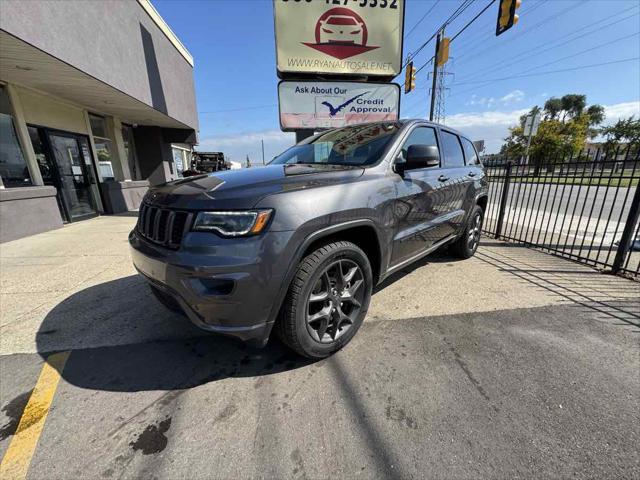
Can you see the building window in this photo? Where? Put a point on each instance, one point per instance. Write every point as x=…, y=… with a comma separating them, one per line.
x=13, y=167
x=104, y=147
x=130, y=150
x=181, y=159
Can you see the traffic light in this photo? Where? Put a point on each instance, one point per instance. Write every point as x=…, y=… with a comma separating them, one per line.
x=443, y=52
x=409, y=78
x=507, y=16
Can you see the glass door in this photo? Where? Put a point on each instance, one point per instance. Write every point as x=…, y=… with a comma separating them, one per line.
x=74, y=174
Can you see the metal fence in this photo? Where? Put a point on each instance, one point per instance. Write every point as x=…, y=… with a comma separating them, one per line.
x=584, y=207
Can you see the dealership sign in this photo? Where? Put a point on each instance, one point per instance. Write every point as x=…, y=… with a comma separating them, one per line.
x=358, y=37
x=314, y=105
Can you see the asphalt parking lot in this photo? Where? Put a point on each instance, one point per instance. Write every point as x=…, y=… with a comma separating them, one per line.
x=514, y=364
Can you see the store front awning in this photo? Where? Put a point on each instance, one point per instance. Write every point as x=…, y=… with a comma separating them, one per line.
x=24, y=64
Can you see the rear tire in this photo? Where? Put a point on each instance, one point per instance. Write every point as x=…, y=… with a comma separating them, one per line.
x=327, y=300
x=166, y=300
x=467, y=244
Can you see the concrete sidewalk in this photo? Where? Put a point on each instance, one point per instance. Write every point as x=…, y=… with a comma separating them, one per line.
x=513, y=363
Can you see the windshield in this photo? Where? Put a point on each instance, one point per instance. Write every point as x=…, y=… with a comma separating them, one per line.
x=357, y=145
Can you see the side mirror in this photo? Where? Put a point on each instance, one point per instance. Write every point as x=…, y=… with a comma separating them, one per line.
x=422, y=156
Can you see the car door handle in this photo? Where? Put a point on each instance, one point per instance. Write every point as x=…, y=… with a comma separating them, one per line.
x=443, y=178
x=472, y=174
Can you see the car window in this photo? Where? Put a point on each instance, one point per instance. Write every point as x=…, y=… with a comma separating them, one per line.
x=419, y=136
x=470, y=154
x=453, y=156
x=354, y=145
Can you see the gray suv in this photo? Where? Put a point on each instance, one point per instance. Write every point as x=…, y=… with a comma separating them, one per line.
x=299, y=244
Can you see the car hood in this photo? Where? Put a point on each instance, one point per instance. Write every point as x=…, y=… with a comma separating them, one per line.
x=234, y=189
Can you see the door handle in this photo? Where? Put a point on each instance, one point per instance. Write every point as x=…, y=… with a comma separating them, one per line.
x=443, y=178
x=472, y=174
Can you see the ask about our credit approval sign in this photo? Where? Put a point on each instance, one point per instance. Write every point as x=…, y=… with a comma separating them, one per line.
x=342, y=37
x=316, y=105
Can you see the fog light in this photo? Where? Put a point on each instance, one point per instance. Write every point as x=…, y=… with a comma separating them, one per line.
x=217, y=286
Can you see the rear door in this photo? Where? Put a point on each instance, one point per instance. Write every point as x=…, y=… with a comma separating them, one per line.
x=456, y=182
x=420, y=198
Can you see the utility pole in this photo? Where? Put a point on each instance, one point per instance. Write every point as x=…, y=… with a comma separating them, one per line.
x=435, y=77
x=262, y=142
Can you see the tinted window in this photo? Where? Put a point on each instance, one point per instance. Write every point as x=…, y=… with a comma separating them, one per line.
x=353, y=145
x=469, y=152
x=420, y=136
x=13, y=168
x=453, y=156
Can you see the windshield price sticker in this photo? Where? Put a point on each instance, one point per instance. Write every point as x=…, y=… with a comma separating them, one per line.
x=313, y=105
x=358, y=37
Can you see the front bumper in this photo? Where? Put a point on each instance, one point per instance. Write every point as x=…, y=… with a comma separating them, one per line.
x=227, y=286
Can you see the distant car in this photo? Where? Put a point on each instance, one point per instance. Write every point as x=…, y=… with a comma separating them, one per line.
x=341, y=29
x=297, y=246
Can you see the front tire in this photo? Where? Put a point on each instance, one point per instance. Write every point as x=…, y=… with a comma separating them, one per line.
x=327, y=300
x=467, y=244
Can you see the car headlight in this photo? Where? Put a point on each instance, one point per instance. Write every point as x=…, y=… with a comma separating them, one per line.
x=233, y=224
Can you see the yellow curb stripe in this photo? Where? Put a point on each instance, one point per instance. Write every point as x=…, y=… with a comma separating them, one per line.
x=17, y=458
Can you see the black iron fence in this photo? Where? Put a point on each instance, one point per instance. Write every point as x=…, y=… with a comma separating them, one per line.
x=584, y=207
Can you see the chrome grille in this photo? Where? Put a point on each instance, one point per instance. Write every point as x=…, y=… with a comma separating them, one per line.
x=162, y=225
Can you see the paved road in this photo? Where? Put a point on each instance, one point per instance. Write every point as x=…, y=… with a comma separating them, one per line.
x=529, y=370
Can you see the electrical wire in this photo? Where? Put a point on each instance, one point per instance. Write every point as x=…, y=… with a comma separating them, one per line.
x=465, y=4
x=456, y=35
x=536, y=51
x=472, y=20
x=571, y=69
x=473, y=39
x=522, y=32
x=546, y=64
x=421, y=19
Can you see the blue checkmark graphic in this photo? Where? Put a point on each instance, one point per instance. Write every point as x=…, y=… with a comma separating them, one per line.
x=334, y=110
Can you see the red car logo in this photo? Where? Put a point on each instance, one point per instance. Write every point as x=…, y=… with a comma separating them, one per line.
x=340, y=33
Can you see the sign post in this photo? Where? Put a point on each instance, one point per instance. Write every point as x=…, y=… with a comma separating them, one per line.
x=531, y=125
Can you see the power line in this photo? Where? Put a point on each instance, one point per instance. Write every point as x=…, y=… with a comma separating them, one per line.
x=560, y=59
x=534, y=52
x=472, y=20
x=580, y=67
x=482, y=32
x=421, y=19
x=462, y=30
x=465, y=4
x=521, y=33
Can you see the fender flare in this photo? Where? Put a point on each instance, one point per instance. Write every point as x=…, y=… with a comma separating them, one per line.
x=297, y=257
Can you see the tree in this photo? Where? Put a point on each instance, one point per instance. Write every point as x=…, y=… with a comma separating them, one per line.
x=552, y=108
x=563, y=132
x=623, y=131
x=596, y=115
x=572, y=105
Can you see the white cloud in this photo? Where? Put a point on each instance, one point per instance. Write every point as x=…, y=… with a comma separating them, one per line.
x=237, y=146
x=513, y=97
x=621, y=110
x=486, y=102
x=493, y=126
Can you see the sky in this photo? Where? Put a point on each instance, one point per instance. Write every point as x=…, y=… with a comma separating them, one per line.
x=559, y=46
